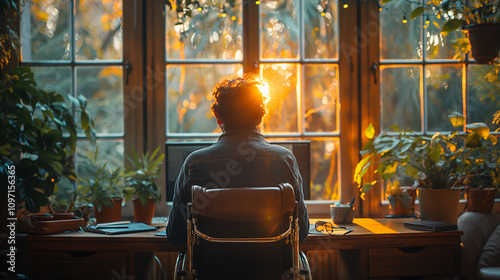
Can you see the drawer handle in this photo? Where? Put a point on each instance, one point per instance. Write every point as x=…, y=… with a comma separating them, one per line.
x=410, y=250
x=80, y=254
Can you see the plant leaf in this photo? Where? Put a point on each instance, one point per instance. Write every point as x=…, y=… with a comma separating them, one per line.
x=416, y=12
x=370, y=131
x=456, y=119
x=451, y=25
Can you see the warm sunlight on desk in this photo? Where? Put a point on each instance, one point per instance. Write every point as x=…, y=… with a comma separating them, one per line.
x=373, y=226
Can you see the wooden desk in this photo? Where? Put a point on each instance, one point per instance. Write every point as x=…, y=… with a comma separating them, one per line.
x=385, y=249
x=376, y=248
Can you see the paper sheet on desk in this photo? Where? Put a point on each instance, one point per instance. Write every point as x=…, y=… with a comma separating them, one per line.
x=336, y=231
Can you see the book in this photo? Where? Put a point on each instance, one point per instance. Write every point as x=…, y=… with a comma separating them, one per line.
x=428, y=225
x=120, y=228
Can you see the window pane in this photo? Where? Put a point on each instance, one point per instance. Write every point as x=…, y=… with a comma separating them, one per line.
x=56, y=79
x=321, y=97
x=325, y=171
x=281, y=114
x=111, y=151
x=321, y=31
x=400, y=97
x=400, y=40
x=98, y=30
x=207, y=34
x=439, y=46
x=188, y=102
x=444, y=95
x=103, y=88
x=279, y=29
x=45, y=30
x=483, y=97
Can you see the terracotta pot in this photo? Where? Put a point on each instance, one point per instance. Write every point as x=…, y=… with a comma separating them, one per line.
x=144, y=213
x=439, y=205
x=481, y=200
x=484, y=39
x=109, y=214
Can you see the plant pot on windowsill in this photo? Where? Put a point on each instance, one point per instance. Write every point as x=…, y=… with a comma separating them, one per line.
x=484, y=39
x=109, y=214
x=439, y=204
x=404, y=204
x=481, y=200
x=144, y=213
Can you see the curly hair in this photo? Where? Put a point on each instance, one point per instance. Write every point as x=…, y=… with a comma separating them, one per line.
x=239, y=101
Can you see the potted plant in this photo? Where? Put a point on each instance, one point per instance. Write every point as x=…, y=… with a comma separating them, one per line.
x=38, y=131
x=437, y=163
x=38, y=137
x=479, y=18
x=401, y=199
x=140, y=181
x=481, y=174
x=102, y=189
x=433, y=162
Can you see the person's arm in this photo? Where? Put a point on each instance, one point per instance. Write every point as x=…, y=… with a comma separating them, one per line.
x=177, y=221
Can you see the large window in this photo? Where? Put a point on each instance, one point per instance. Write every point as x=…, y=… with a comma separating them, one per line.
x=334, y=67
x=292, y=44
x=422, y=78
x=76, y=49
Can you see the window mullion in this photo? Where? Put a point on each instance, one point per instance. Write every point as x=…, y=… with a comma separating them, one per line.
x=251, y=46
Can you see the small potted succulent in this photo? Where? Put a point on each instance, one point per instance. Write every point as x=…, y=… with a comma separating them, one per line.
x=141, y=175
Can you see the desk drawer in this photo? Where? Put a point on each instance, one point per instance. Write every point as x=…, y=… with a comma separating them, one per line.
x=411, y=261
x=80, y=265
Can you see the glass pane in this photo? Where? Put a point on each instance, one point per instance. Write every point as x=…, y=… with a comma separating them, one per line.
x=103, y=88
x=279, y=29
x=400, y=97
x=400, y=40
x=111, y=151
x=188, y=102
x=214, y=31
x=483, y=94
x=321, y=29
x=56, y=79
x=45, y=30
x=439, y=46
x=444, y=95
x=325, y=169
x=98, y=30
x=321, y=90
x=281, y=114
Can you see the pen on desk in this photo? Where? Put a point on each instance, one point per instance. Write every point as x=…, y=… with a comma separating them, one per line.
x=109, y=225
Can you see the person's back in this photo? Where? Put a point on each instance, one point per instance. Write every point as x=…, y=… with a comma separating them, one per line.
x=240, y=158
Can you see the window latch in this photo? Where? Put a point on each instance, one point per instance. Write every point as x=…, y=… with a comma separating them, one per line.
x=128, y=68
x=374, y=69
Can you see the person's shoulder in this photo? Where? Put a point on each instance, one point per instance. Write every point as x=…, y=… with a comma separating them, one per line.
x=280, y=150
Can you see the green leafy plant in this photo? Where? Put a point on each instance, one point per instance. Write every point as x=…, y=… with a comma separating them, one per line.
x=102, y=183
x=141, y=176
x=481, y=157
x=38, y=136
x=437, y=162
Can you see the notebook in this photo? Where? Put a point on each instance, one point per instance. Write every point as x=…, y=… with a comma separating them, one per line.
x=121, y=229
x=428, y=225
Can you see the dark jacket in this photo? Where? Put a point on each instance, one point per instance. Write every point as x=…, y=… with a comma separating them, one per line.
x=237, y=159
